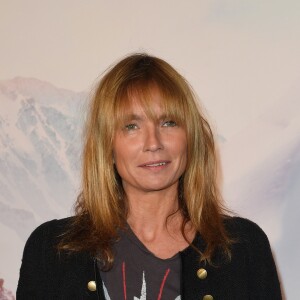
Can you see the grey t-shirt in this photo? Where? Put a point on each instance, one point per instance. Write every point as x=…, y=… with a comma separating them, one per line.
x=137, y=274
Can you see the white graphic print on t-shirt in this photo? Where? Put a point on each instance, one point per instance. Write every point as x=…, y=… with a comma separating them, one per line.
x=143, y=295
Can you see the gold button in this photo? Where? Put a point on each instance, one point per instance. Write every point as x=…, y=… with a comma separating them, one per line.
x=208, y=297
x=202, y=273
x=92, y=286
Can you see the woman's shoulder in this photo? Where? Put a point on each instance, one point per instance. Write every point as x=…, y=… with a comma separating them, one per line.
x=53, y=226
x=245, y=230
x=48, y=232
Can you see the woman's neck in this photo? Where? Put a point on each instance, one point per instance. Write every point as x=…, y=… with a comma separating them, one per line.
x=157, y=221
x=151, y=210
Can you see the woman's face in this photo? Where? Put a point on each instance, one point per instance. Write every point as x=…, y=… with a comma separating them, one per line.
x=150, y=155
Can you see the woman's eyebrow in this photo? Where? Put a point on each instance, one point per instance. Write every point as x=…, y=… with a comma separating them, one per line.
x=140, y=117
x=163, y=117
x=136, y=117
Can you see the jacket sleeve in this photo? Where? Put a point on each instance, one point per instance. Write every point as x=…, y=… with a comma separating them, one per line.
x=33, y=269
x=263, y=277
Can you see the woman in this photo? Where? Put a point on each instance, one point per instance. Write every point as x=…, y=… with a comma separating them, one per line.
x=149, y=223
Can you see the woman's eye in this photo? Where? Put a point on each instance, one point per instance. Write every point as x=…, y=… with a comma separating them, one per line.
x=129, y=127
x=169, y=124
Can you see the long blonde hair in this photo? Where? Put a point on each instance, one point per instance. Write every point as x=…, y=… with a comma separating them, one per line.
x=101, y=208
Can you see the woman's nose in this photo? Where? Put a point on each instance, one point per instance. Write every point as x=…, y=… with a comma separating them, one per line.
x=153, y=140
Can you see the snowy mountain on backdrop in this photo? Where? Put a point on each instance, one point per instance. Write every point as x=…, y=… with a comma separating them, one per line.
x=40, y=130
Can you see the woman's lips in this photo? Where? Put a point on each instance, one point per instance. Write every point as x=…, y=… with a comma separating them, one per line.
x=155, y=164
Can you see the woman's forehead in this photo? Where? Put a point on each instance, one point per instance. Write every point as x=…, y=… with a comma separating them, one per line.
x=149, y=100
x=137, y=102
x=139, y=110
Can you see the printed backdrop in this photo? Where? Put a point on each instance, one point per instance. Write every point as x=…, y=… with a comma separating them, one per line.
x=242, y=58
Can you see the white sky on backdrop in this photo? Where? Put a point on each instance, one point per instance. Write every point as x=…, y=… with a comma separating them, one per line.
x=240, y=56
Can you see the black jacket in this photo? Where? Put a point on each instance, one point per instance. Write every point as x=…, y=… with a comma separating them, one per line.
x=251, y=273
